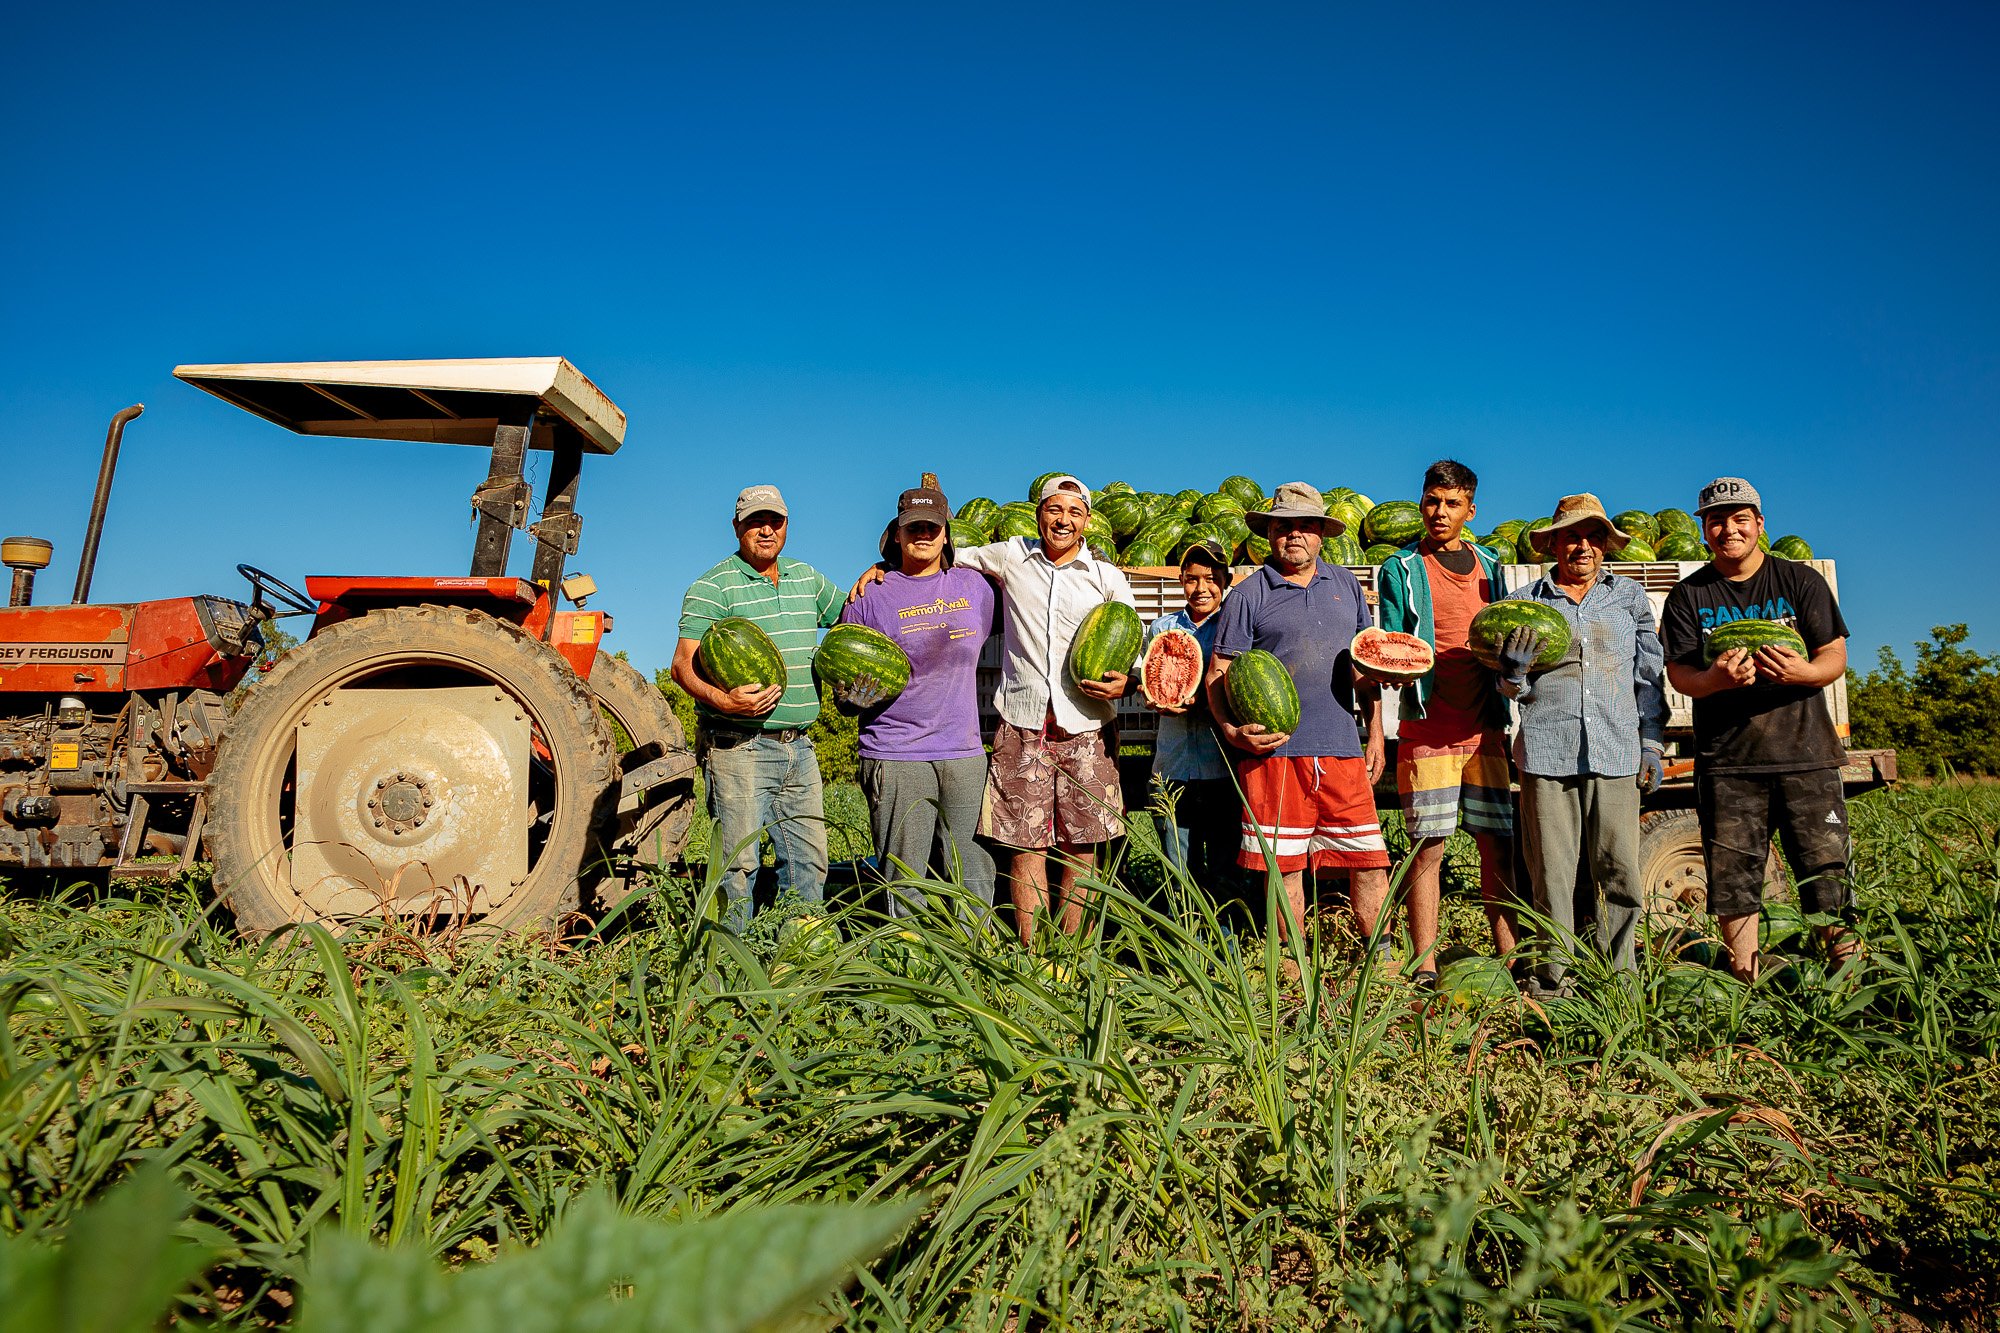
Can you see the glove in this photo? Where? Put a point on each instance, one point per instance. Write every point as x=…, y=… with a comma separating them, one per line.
x=1652, y=769
x=1518, y=652
x=862, y=695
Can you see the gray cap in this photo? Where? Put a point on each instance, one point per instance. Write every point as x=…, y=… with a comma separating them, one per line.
x=1728, y=493
x=1294, y=499
x=755, y=499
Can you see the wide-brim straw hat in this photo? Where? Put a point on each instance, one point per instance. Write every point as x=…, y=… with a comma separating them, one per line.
x=1294, y=499
x=1572, y=510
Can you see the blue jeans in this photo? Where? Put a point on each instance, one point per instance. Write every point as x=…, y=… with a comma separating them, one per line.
x=766, y=785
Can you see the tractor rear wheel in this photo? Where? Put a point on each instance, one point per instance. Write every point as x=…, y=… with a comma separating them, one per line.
x=1674, y=873
x=413, y=761
x=652, y=826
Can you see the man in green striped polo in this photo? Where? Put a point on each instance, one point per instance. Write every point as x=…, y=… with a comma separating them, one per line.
x=759, y=765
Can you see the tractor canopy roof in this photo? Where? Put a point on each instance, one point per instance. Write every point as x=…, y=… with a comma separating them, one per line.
x=445, y=402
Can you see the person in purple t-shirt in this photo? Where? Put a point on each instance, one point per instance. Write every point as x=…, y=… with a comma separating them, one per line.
x=923, y=765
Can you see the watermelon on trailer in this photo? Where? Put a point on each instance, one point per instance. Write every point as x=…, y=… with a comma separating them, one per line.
x=1377, y=553
x=1202, y=532
x=1106, y=642
x=1261, y=692
x=1507, y=529
x=1792, y=547
x=1035, y=486
x=1113, y=488
x=1681, y=546
x=1751, y=634
x=1016, y=522
x=1637, y=549
x=1138, y=555
x=1677, y=520
x=979, y=511
x=1394, y=522
x=1495, y=621
x=1123, y=511
x=1349, y=516
x=734, y=652
x=964, y=534
x=1097, y=528
x=851, y=653
x=1213, y=506
x=1188, y=498
x=1258, y=549
x=1170, y=673
x=1502, y=549
x=1162, y=532
x=1637, y=523
x=1361, y=502
x=1247, y=492
x=1524, y=546
x=1331, y=494
x=1341, y=550
x=1392, y=655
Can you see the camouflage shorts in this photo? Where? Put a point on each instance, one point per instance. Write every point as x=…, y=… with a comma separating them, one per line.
x=1043, y=790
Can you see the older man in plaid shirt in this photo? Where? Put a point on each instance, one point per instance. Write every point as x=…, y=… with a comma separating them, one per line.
x=1591, y=736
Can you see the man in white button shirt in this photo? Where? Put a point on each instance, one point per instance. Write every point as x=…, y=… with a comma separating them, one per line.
x=1053, y=780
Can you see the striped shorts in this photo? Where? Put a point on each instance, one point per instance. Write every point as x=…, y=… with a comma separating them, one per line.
x=1309, y=808
x=1443, y=786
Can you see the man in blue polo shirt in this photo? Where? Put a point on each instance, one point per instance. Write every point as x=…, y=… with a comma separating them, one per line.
x=1309, y=793
x=758, y=763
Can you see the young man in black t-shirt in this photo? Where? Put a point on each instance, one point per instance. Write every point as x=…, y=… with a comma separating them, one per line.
x=1766, y=756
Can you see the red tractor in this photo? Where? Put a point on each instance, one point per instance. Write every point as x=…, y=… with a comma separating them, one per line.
x=438, y=746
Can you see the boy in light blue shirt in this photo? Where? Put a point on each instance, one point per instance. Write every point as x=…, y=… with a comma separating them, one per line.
x=1202, y=835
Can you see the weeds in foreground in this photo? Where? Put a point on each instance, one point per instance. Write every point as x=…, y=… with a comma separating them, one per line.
x=1144, y=1127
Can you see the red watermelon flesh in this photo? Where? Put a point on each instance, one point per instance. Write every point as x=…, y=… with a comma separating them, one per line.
x=1392, y=656
x=1171, y=671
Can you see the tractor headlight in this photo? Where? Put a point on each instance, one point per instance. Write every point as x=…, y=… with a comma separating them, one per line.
x=71, y=711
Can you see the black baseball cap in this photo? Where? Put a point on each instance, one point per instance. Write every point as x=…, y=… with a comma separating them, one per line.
x=923, y=504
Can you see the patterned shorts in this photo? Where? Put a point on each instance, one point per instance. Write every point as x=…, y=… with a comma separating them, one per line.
x=1445, y=785
x=1309, y=808
x=1043, y=789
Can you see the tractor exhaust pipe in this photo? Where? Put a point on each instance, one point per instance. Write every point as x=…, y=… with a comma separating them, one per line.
x=86, y=562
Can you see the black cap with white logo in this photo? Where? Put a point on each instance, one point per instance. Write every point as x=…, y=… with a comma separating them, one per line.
x=923, y=504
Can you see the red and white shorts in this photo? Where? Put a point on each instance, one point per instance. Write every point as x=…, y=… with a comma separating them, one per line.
x=1309, y=808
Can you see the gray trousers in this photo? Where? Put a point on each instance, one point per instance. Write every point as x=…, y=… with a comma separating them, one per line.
x=918, y=807
x=1569, y=822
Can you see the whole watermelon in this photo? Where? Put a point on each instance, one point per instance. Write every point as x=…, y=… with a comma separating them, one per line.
x=1102, y=550
x=1213, y=506
x=1258, y=549
x=1113, y=488
x=1138, y=555
x=1188, y=499
x=1035, y=486
x=1231, y=524
x=1637, y=549
x=1015, y=522
x=1162, y=532
x=1677, y=520
x=734, y=652
x=1202, y=532
x=1361, y=502
x=1123, y=511
x=1751, y=634
x=1637, y=523
x=1763, y=541
x=1341, y=550
x=1474, y=982
x=1348, y=516
x=850, y=653
x=964, y=534
x=1247, y=492
x=1394, y=522
x=1507, y=529
x=1524, y=546
x=1107, y=641
x=1498, y=619
x=1792, y=547
x=1262, y=693
x=1377, y=553
x=979, y=511
x=1097, y=528
x=1502, y=548
x=1680, y=546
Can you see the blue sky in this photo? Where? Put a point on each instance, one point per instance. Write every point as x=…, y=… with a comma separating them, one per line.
x=1579, y=247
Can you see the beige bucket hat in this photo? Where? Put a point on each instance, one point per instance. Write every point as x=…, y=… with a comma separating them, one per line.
x=1294, y=499
x=1572, y=510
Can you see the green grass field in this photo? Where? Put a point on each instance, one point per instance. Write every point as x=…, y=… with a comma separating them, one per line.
x=1146, y=1128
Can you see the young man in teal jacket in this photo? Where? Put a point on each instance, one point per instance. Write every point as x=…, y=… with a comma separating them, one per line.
x=1451, y=746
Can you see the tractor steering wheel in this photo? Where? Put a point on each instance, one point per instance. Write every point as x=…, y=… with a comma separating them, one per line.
x=284, y=594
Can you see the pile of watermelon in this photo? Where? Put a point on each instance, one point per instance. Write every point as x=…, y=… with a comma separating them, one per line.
x=1150, y=529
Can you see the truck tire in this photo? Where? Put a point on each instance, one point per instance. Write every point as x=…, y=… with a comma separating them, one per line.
x=1675, y=875
x=652, y=836
x=570, y=775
